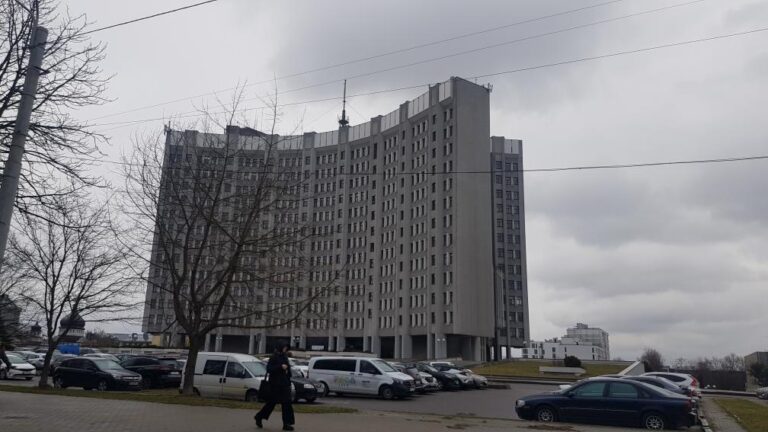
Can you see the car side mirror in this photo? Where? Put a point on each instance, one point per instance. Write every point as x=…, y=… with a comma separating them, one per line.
x=570, y=394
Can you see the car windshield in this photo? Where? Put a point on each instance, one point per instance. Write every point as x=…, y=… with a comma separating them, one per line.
x=106, y=364
x=383, y=366
x=255, y=368
x=429, y=368
x=15, y=359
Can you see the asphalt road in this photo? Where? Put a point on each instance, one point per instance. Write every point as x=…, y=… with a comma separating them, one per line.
x=490, y=403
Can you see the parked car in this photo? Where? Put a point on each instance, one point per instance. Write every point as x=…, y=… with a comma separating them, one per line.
x=301, y=366
x=154, y=372
x=659, y=382
x=445, y=381
x=35, y=359
x=304, y=388
x=613, y=401
x=361, y=375
x=762, y=393
x=228, y=376
x=688, y=382
x=56, y=361
x=414, y=373
x=95, y=373
x=123, y=356
x=466, y=381
x=104, y=356
x=20, y=368
x=84, y=351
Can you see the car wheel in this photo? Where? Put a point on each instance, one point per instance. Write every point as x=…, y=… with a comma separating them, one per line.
x=195, y=391
x=386, y=392
x=653, y=421
x=28, y=378
x=545, y=414
x=3, y=374
x=58, y=383
x=326, y=390
x=102, y=386
x=310, y=400
x=252, y=396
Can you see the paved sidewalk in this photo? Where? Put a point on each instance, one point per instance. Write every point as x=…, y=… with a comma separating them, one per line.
x=718, y=419
x=21, y=412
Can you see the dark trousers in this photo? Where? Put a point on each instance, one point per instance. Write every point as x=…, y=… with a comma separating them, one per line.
x=285, y=405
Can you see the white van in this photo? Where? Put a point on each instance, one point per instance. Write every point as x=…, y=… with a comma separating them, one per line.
x=228, y=375
x=360, y=375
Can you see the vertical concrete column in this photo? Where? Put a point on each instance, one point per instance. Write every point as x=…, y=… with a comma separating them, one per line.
x=341, y=343
x=477, y=347
x=366, y=343
x=376, y=345
x=207, y=343
x=262, y=344
x=303, y=342
x=406, y=352
x=331, y=343
x=219, y=340
x=430, y=346
x=398, y=346
x=251, y=343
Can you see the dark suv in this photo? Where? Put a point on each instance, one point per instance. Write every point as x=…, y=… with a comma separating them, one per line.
x=154, y=372
x=94, y=373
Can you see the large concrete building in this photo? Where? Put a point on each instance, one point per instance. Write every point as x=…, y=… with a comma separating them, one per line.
x=594, y=335
x=434, y=240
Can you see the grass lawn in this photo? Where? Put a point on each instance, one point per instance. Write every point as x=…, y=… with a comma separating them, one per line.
x=752, y=416
x=172, y=396
x=530, y=369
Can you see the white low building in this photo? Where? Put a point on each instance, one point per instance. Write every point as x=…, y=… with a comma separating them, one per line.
x=558, y=349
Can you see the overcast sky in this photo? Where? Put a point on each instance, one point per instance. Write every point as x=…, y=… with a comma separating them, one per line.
x=669, y=257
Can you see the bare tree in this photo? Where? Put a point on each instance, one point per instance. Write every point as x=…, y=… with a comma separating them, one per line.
x=652, y=358
x=58, y=144
x=223, y=228
x=10, y=310
x=732, y=362
x=71, y=265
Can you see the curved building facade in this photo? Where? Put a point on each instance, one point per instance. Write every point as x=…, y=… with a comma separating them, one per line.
x=403, y=208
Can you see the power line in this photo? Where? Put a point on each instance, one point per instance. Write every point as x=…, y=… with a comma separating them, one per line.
x=368, y=58
x=148, y=17
x=528, y=170
x=493, y=74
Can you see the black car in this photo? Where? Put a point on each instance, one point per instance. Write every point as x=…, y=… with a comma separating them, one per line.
x=304, y=388
x=154, y=372
x=614, y=401
x=94, y=373
x=445, y=380
x=56, y=361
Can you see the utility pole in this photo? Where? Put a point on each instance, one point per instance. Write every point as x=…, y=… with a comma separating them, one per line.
x=12, y=169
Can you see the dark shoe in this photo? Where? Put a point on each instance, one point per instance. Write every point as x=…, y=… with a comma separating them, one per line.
x=258, y=421
x=287, y=427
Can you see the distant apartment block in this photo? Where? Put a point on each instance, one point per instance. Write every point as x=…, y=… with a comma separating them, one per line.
x=596, y=336
x=558, y=349
x=582, y=341
x=427, y=239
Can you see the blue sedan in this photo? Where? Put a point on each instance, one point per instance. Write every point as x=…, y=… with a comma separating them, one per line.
x=612, y=401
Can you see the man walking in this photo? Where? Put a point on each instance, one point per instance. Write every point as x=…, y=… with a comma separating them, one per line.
x=278, y=380
x=3, y=357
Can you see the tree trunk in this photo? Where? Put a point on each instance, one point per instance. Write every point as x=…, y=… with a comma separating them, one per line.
x=43, y=383
x=195, y=342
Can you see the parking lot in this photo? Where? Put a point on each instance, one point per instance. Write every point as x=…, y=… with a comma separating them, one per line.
x=489, y=403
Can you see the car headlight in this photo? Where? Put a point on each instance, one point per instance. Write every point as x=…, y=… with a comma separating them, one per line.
x=397, y=381
x=308, y=386
x=520, y=403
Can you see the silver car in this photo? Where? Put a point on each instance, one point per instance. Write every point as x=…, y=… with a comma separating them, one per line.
x=762, y=393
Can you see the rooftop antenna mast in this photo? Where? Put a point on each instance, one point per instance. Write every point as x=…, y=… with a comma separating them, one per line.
x=343, y=122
